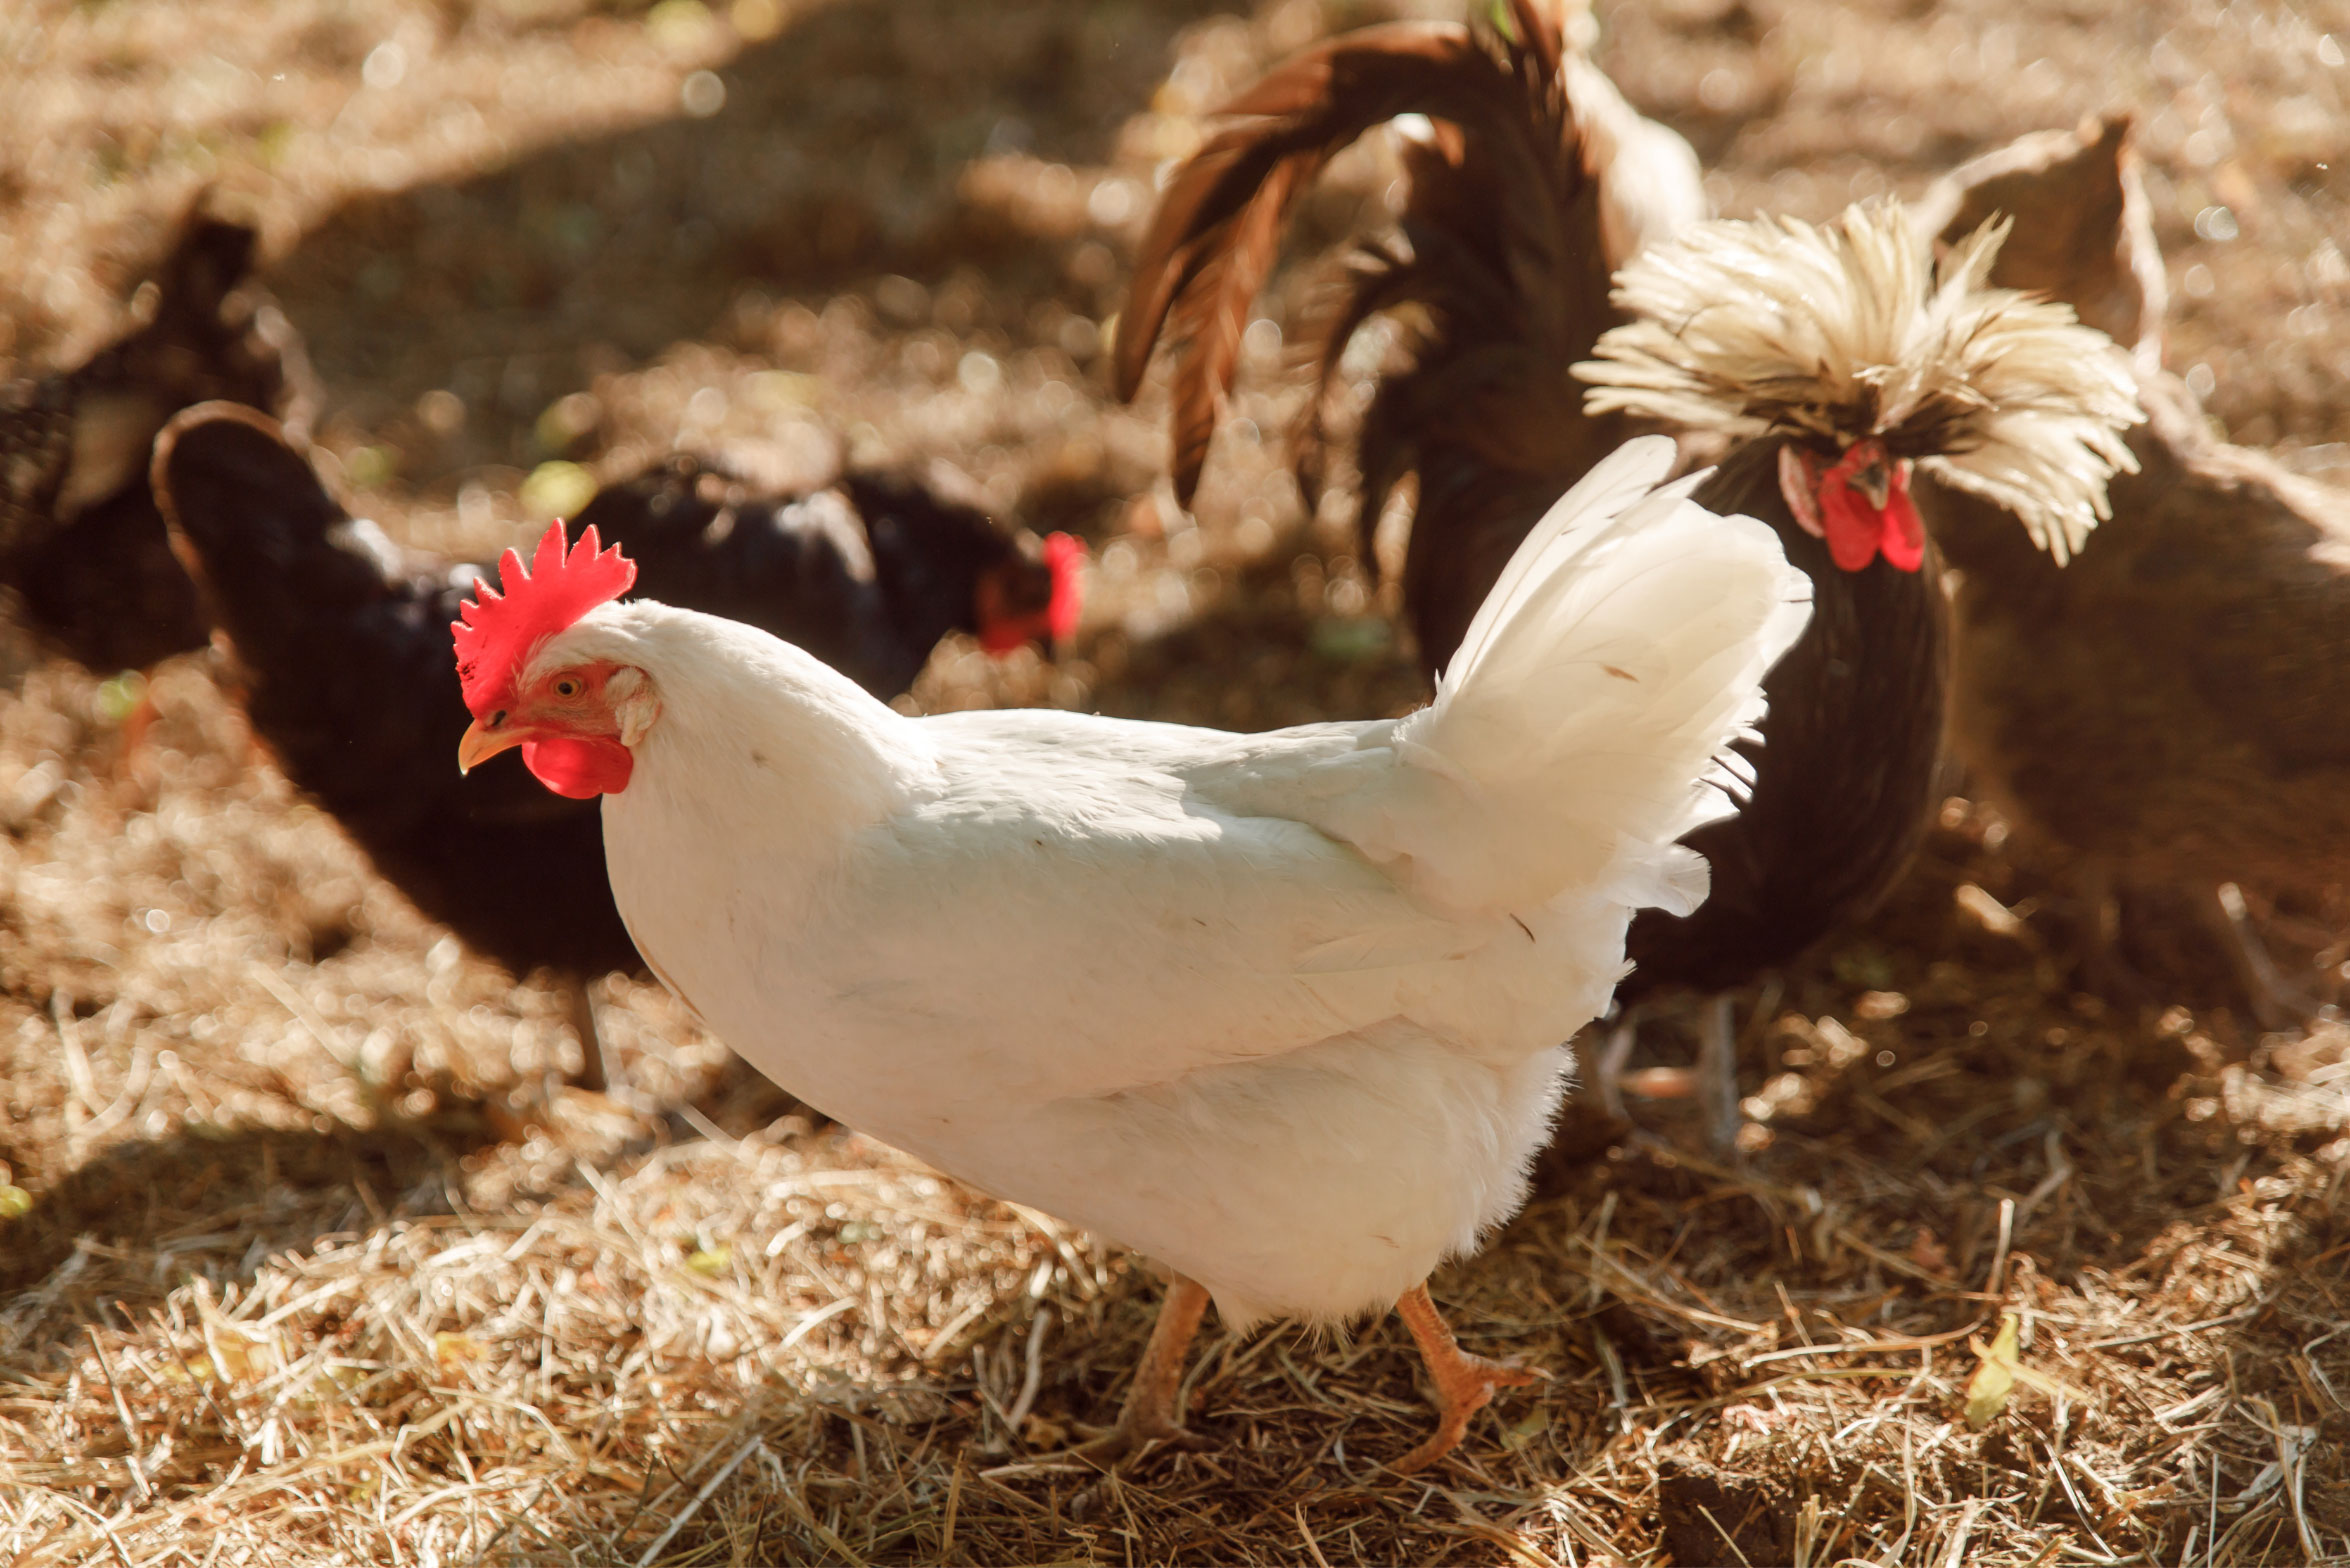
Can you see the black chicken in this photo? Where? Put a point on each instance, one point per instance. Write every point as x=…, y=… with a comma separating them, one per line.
x=82, y=547
x=1830, y=356
x=867, y=575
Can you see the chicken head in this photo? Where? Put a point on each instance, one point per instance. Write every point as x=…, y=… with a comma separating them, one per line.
x=573, y=723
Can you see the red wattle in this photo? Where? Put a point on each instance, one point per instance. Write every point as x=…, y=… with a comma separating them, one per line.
x=1855, y=529
x=1065, y=554
x=1904, y=535
x=579, y=766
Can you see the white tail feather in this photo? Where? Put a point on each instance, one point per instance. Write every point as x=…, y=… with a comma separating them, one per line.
x=1589, y=713
x=1651, y=186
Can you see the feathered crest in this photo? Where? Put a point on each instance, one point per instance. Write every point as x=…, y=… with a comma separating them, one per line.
x=1841, y=332
x=500, y=631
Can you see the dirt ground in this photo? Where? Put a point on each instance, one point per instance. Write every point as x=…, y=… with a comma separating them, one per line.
x=298, y=1265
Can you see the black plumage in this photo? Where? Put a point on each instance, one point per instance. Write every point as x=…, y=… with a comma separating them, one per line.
x=349, y=677
x=867, y=573
x=1843, y=782
x=1500, y=253
x=82, y=546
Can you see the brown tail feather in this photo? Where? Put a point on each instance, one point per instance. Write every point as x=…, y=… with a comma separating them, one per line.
x=1218, y=227
x=1500, y=270
x=1505, y=265
x=1379, y=278
x=1210, y=315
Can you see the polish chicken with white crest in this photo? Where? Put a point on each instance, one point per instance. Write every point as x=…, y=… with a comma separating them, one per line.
x=1283, y=1011
x=1841, y=362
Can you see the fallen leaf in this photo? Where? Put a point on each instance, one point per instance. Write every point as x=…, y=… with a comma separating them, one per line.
x=1525, y=1430
x=1994, y=1379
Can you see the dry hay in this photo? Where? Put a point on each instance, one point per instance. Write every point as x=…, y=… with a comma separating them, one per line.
x=794, y=1346
x=314, y=1271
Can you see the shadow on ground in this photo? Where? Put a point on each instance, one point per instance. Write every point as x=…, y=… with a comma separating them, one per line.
x=838, y=155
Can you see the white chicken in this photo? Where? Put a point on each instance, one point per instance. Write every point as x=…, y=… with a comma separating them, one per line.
x=1284, y=1011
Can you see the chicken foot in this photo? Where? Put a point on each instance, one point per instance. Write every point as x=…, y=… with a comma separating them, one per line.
x=1717, y=1074
x=1464, y=1382
x=2103, y=969
x=1152, y=1412
x=1712, y=1080
x=2276, y=1001
x=1604, y=1068
x=1609, y=1078
x=579, y=1010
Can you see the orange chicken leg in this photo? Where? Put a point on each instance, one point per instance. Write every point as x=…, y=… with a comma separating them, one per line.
x=1151, y=1413
x=1464, y=1383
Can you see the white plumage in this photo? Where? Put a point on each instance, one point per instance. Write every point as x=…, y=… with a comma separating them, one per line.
x=1651, y=186
x=1283, y=1011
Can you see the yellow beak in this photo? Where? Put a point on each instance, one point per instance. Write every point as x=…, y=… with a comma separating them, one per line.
x=480, y=744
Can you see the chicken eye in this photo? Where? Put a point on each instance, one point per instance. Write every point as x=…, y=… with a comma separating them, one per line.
x=567, y=687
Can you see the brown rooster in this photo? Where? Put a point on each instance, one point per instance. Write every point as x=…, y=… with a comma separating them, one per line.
x=1535, y=181
x=83, y=554
x=2167, y=712
x=1832, y=357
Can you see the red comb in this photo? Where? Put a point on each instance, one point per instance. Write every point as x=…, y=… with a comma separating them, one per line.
x=1065, y=554
x=500, y=631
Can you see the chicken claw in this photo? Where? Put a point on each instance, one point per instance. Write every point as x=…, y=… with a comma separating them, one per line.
x=1151, y=1414
x=1464, y=1382
x=2276, y=1001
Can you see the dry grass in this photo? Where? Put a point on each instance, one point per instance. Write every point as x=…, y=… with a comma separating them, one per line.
x=312, y=1269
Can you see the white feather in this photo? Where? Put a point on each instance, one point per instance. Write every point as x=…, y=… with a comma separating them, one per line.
x=1640, y=625
x=1651, y=185
x=1283, y=1011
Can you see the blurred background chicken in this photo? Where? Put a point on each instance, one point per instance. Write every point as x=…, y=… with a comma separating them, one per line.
x=1831, y=356
x=2167, y=712
x=2084, y=233
x=1532, y=181
x=82, y=548
x=347, y=675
